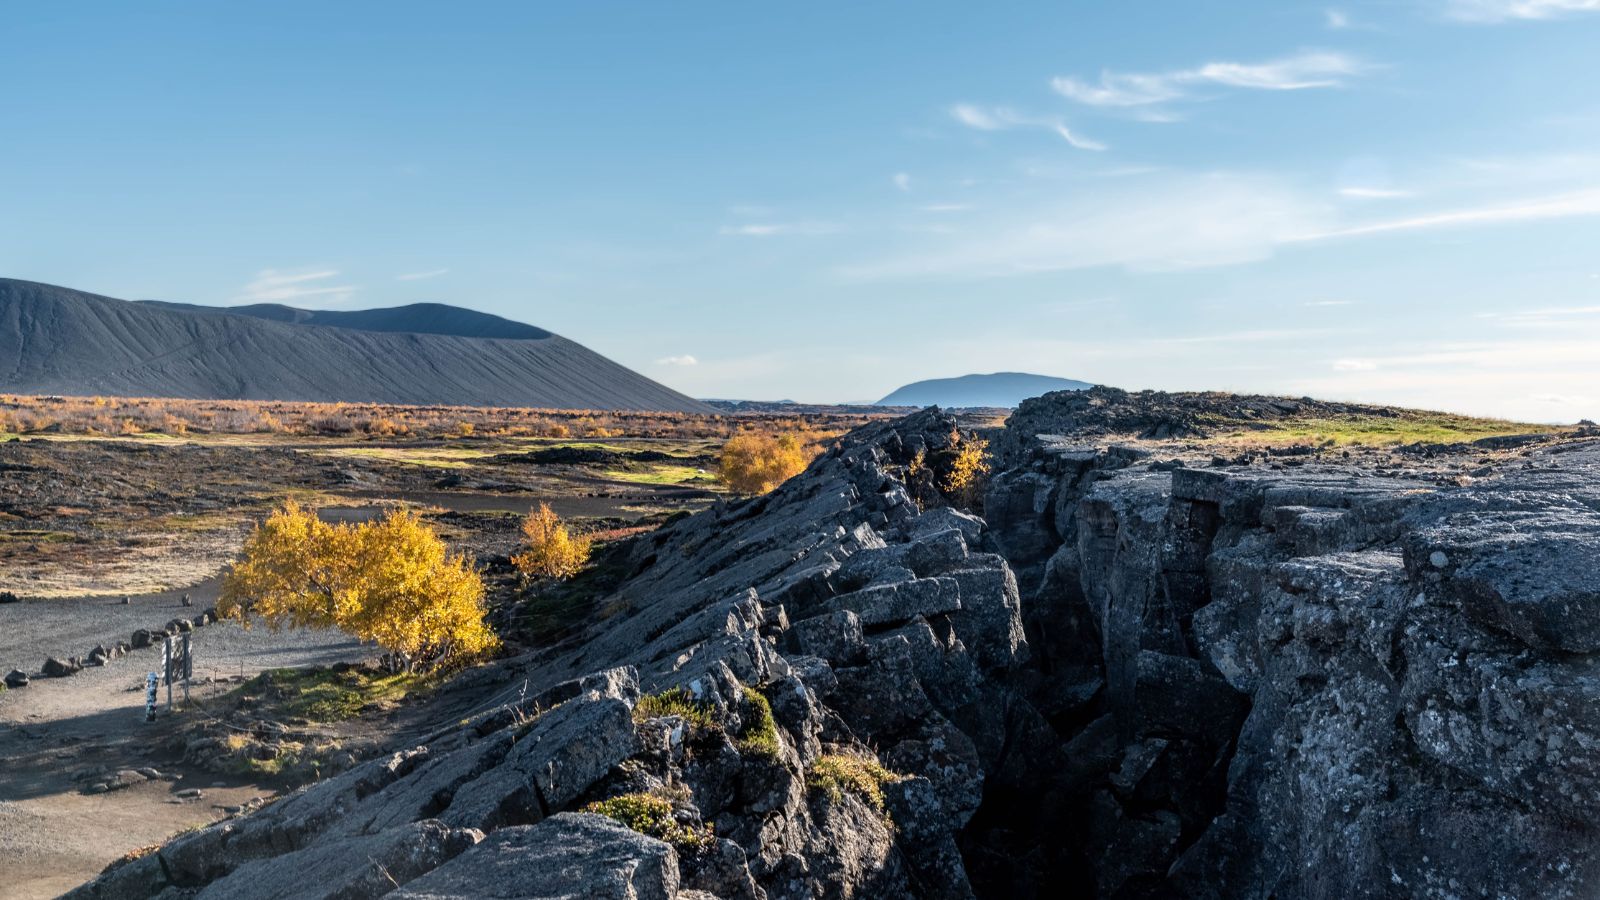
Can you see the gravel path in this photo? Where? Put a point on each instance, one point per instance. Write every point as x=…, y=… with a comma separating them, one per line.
x=53, y=836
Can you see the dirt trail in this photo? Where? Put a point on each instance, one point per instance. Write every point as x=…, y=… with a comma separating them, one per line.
x=52, y=835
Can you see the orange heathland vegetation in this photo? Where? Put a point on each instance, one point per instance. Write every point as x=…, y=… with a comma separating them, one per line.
x=147, y=415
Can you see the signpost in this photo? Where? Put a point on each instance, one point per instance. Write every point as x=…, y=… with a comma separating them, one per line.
x=177, y=664
x=177, y=660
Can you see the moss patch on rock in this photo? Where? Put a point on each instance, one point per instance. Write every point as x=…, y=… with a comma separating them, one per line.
x=836, y=774
x=654, y=815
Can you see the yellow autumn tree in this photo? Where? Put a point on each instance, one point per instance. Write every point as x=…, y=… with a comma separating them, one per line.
x=553, y=550
x=392, y=581
x=756, y=463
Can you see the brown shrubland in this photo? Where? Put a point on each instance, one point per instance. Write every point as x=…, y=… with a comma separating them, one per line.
x=116, y=416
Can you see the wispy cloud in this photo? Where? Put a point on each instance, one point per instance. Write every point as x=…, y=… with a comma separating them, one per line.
x=1330, y=303
x=1335, y=19
x=1170, y=221
x=1529, y=379
x=1160, y=223
x=1549, y=315
x=1491, y=11
x=273, y=286
x=1256, y=335
x=1373, y=193
x=1001, y=118
x=1578, y=203
x=777, y=229
x=902, y=180
x=684, y=360
x=1303, y=71
x=945, y=207
x=419, y=276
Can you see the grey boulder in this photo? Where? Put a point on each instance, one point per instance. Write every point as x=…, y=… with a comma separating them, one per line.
x=567, y=855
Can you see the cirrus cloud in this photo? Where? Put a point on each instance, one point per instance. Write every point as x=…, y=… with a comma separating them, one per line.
x=274, y=286
x=1302, y=71
x=1492, y=11
x=1001, y=118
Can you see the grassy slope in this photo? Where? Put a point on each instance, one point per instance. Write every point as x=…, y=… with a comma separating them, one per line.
x=1404, y=427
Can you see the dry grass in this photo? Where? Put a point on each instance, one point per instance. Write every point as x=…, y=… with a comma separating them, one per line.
x=146, y=417
x=165, y=554
x=1403, y=427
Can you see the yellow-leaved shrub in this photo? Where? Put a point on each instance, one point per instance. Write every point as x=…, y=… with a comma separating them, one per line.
x=553, y=550
x=391, y=581
x=965, y=479
x=756, y=463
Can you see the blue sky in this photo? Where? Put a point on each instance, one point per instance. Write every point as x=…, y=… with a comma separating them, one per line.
x=1395, y=201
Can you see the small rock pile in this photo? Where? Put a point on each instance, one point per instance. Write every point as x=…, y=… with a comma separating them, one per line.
x=104, y=654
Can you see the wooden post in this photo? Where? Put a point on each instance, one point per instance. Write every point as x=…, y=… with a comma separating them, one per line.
x=150, y=697
x=188, y=666
x=167, y=660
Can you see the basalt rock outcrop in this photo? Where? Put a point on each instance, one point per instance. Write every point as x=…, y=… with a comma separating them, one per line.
x=1310, y=681
x=1136, y=677
x=813, y=681
x=1106, y=413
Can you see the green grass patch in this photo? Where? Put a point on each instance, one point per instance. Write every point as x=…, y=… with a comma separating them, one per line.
x=194, y=522
x=427, y=457
x=564, y=444
x=661, y=473
x=27, y=536
x=759, y=734
x=836, y=774
x=674, y=702
x=323, y=695
x=285, y=762
x=689, y=447
x=652, y=814
x=1379, y=431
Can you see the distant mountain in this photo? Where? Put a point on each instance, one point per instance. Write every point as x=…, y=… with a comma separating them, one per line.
x=1000, y=390
x=55, y=340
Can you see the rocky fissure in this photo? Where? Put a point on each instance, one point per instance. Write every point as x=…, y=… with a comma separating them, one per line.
x=1137, y=675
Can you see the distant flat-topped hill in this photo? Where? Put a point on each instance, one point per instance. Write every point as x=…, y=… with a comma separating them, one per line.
x=55, y=340
x=1000, y=390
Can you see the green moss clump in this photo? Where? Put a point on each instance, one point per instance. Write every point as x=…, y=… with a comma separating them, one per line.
x=651, y=814
x=834, y=774
x=323, y=695
x=674, y=702
x=759, y=736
